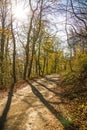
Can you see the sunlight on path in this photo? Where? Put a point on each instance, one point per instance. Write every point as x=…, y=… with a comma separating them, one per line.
x=31, y=108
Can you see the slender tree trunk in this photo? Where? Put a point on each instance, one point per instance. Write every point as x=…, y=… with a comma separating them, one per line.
x=14, y=58
x=27, y=48
x=35, y=38
x=2, y=49
x=70, y=61
x=47, y=64
x=2, y=58
x=44, y=66
x=14, y=50
x=36, y=67
x=39, y=68
x=31, y=61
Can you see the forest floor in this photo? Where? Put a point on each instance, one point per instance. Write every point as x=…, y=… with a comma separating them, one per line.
x=39, y=104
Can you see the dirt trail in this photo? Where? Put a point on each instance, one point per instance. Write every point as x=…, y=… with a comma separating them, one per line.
x=32, y=109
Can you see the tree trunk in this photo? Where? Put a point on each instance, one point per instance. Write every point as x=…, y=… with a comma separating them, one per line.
x=2, y=48
x=31, y=61
x=35, y=38
x=14, y=50
x=27, y=48
x=44, y=66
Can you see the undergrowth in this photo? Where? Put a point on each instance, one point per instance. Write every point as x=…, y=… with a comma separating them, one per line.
x=75, y=86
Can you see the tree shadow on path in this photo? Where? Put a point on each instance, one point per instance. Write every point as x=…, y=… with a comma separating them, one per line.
x=6, y=109
x=56, y=81
x=66, y=123
x=42, y=85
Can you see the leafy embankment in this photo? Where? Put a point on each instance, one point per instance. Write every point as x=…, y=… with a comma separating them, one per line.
x=75, y=86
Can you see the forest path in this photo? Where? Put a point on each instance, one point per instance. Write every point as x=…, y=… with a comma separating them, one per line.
x=32, y=107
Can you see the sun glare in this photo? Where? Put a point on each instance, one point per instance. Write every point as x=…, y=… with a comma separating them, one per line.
x=20, y=13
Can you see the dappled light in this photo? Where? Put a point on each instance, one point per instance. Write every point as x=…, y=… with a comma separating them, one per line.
x=43, y=57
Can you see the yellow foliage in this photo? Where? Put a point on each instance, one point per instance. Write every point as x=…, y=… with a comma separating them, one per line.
x=6, y=32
